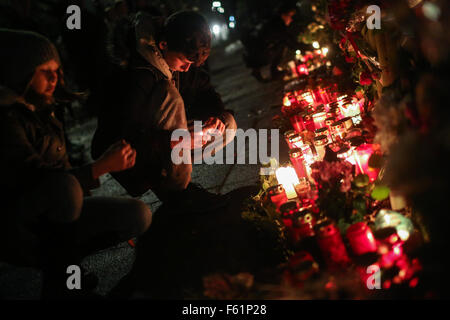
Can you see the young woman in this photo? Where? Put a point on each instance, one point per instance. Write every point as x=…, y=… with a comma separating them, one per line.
x=48, y=213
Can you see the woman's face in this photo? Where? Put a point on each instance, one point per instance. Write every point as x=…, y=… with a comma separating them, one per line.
x=45, y=78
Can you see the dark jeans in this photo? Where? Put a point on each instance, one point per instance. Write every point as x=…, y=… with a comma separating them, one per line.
x=58, y=202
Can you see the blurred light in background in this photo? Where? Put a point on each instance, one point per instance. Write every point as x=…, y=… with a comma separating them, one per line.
x=216, y=4
x=231, y=18
x=232, y=25
x=431, y=11
x=216, y=29
x=316, y=45
x=220, y=10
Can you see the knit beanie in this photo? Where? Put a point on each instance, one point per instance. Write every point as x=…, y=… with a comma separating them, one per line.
x=20, y=53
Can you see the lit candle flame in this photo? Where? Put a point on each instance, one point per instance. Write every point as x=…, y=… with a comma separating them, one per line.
x=287, y=177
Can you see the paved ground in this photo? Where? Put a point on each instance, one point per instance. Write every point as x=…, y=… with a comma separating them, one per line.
x=251, y=102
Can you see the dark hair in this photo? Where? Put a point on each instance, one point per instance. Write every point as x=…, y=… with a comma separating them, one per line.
x=188, y=32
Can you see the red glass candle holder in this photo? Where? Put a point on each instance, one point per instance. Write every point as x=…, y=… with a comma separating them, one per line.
x=319, y=119
x=361, y=238
x=389, y=246
x=304, y=224
x=287, y=211
x=302, y=69
x=287, y=136
x=297, y=121
x=277, y=195
x=295, y=141
x=297, y=160
x=309, y=122
x=330, y=242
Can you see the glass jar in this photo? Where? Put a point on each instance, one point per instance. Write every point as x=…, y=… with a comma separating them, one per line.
x=331, y=245
x=361, y=238
x=277, y=195
x=296, y=140
x=319, y=143
x=319, y=119
x=287, y=136
x=297, y=160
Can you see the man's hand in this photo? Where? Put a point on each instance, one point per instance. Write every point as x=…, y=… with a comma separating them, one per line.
x=212, y=124
x=120, y=156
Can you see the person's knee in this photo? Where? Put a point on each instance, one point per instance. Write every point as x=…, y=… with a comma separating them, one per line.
x=67, y=196
x=142, y=216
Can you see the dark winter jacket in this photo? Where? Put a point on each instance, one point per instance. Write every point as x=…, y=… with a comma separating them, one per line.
x=146, y=103
x=33, y=144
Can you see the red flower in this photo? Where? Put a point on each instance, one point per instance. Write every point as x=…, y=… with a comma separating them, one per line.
x=365, y=78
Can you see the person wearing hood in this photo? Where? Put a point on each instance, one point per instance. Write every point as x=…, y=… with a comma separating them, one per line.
x=49, y=220
x=163, y=89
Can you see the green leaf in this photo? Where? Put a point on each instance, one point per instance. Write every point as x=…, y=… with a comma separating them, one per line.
x=380, y=193
x=362, y=180
x=359, y=204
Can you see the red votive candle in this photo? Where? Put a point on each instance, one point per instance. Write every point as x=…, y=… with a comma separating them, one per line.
x=309, y=122
x=287, y=136
x=361, y=238
x=287, y=211
x=330, y=242
x=304, y=224
x=302, y=69
x=297, y=160
x=297, y=121
x=319, y=119
x=277, y=195
x=295, y=141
